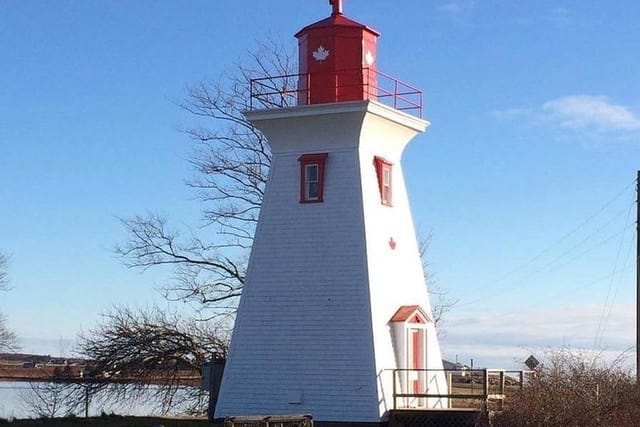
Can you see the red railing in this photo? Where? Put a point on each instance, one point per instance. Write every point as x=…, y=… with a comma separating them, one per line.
x=302, y=89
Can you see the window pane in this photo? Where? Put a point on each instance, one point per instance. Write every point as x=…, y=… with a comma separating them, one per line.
x=386, y=194
x=386, y=184
x=312, y=173
x=312, y=190
x=383, y=172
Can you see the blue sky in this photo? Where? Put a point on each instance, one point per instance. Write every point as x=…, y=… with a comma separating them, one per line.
x=524, y=179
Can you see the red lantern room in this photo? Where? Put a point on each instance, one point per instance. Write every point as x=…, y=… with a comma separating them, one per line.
x=337, y=60
x=337, y=63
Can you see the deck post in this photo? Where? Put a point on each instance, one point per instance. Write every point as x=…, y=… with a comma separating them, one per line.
x=521, y=380
x=485, y=387
x=449, y=386
x=394, y=389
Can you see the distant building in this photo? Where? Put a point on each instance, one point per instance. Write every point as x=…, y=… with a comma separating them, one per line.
x=454, y=366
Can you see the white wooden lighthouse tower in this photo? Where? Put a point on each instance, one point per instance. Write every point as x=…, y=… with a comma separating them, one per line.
x=335, y=298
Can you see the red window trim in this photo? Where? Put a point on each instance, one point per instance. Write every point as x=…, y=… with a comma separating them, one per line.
x=381, y=164
x=312, y=159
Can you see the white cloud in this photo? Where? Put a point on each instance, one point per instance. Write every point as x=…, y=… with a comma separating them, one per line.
x=587, y=112
x=457, y=7
x=498, y=340
x=560, y=16
x=458, y=10
x=510, y=113
x=578, y=113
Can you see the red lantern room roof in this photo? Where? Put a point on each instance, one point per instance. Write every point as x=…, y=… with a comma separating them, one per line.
x=336, y=20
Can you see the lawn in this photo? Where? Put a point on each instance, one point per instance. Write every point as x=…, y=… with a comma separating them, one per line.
x=109, y=421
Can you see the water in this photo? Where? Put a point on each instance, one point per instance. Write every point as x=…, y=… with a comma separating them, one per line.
x=17, y=400
x=10, y=401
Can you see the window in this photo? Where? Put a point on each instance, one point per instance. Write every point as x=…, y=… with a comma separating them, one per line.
x=311, y=182
x=383, y=171
x=312, y=177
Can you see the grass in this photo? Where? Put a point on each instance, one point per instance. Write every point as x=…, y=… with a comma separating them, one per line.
x=109, y=421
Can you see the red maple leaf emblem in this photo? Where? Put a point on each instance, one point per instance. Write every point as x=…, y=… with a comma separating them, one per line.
x=392, y=243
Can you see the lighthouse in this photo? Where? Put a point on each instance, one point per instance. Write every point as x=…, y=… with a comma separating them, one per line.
x=334, y=320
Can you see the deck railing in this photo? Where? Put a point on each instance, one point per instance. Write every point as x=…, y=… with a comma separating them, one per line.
x=467, y=388
x=359, y=84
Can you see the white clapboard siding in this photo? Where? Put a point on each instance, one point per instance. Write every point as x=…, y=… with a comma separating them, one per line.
x=312, y=333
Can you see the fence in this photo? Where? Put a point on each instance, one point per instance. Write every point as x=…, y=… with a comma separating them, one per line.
x=467, y=388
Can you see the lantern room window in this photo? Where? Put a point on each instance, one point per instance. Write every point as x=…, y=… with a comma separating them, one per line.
x=384, y=173
x=312, y=177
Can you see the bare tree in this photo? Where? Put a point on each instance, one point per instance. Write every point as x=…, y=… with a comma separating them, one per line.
x=152, y=355
x=205, y=276
x=55, y=396
x=231, y=163
x=4, y=277
x=441, y=302
x=49, y=399
x=8, y=340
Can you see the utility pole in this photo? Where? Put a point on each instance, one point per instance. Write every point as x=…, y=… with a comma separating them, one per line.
x=638, y=278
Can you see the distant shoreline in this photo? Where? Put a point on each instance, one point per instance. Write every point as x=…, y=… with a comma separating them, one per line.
x=44, y=368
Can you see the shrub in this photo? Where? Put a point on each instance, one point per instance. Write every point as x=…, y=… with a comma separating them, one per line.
x=572, y=389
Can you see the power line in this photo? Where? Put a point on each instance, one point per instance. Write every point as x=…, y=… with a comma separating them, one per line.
x=626, y=266
x=553, y=245
x=583, y=241
x=564, y=291
x=545, y=269
x=608, y=303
